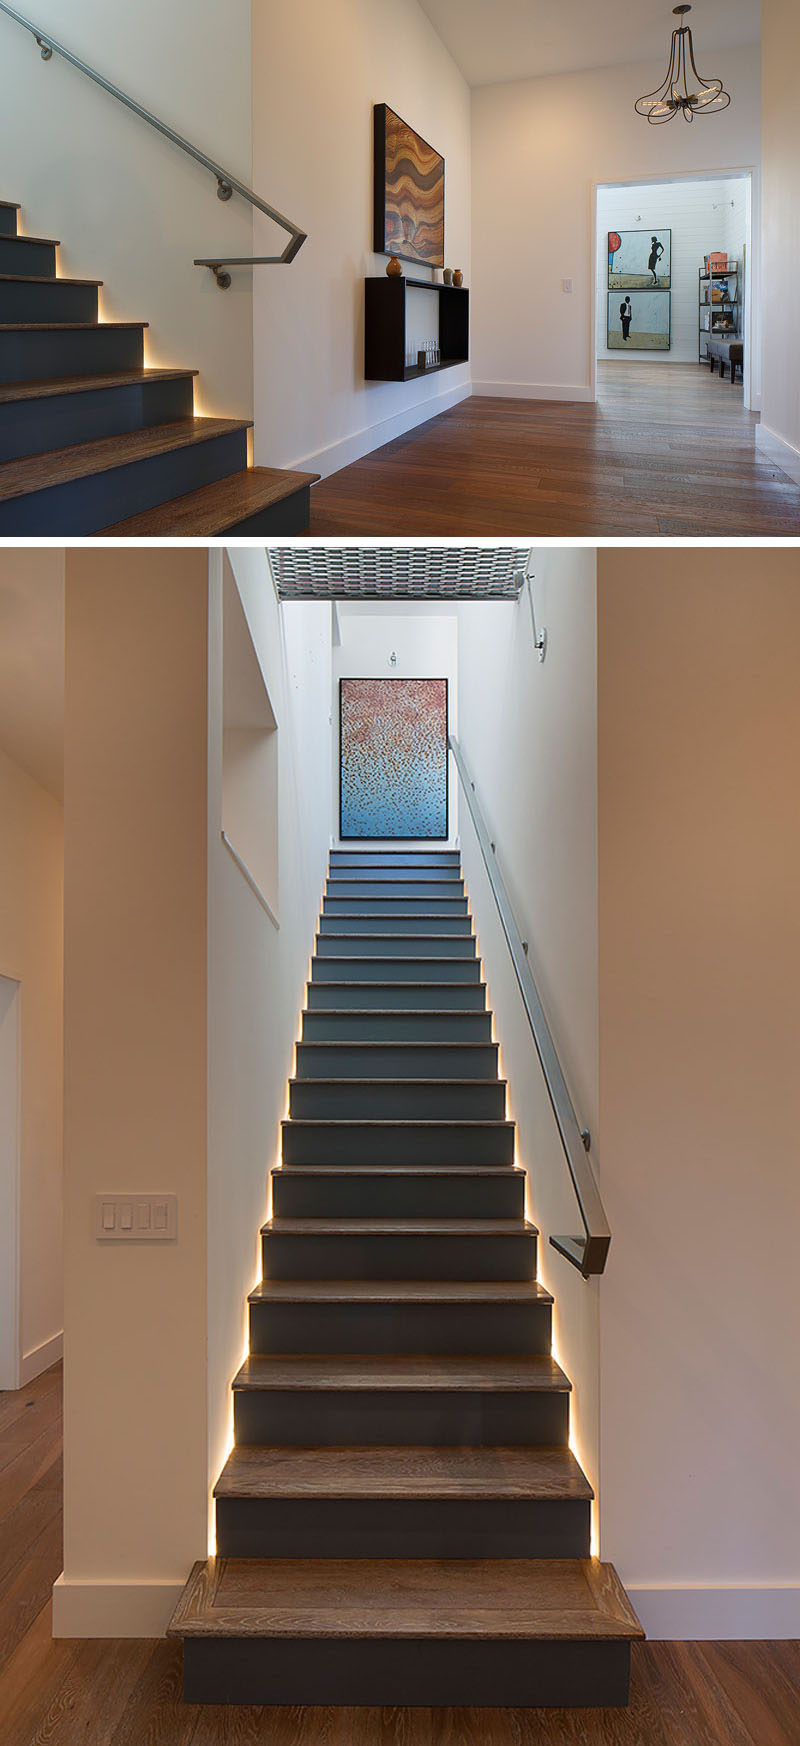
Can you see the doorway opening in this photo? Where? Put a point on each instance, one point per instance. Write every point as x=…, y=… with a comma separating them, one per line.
x=676, y=296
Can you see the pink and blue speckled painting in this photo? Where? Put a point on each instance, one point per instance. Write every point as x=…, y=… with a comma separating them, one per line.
x=393, y=758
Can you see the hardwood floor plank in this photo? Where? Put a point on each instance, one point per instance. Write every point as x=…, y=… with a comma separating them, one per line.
x=666, y=450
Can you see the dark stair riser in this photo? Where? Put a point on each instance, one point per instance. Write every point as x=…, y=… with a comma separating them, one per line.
x=434, y=882
x=399, y=1100
x=394, y=906
x=397, y=1027
x=409, y=946
x=466, y=1329
x=47, y=300
x=56, y=421
x=8, y=221
x=380, y=968
x=396, y=1060
x=290, y=516
x=333, y=1194
x=318, y=1144
x=408, y=1671
x=442, y=1418
x=396, y=997
x=402, y=1528
x=41, y=353
x=421, y=922
x=397, y=1256
x=359, y=860
x=89, y=504
x=38, y=259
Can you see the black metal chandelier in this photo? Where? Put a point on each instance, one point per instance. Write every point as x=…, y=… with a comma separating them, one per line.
x=683, y=89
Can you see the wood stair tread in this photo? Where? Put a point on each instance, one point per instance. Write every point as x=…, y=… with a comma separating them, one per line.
x=359, y=1372
x=358, y=982
x=374, y=1291
x=389, y=1080
x=51, y=385
x=68, y=326
x=396, y=1121
x=431, y=1172
x=52, y=242
x=213, y=508
x=575, y=1599
x=11, y=205
x=400, y=1227
x=35, y=279
x=60, y=466
x=406, y=1472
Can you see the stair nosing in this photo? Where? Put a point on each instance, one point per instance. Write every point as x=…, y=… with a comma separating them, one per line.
x=36, y=279
x=370, y=1373
x=50, y=242
x=397, y=1227
x=394, y=1291
x=68, y=326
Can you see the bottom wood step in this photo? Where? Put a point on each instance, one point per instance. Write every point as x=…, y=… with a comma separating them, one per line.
x=362, y=1631
x=258, y=500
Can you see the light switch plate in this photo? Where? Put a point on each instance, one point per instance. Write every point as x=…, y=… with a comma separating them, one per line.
x=136, y=1218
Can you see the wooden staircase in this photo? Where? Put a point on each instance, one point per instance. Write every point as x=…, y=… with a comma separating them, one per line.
x=92, y=442
x=401, y=1520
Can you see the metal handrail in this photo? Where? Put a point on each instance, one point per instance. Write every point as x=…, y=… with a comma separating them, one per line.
x=227, y=185
x=587, y=1253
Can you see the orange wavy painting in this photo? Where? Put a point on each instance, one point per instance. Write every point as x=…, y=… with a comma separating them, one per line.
x=414, y=195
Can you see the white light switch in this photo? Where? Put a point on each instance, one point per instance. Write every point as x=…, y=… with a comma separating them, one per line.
x=136, y=1218
x=566, y=285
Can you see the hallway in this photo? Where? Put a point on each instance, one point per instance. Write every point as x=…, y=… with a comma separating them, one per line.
x=668, y=450
x=118, y=1693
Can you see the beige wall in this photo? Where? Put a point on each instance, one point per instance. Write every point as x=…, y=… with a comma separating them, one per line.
x=135, y=984
x=128, y=206
x=31, y=941
x=317, y=71
x=529, y=734
x=781, y=47
x=537, y=148
x=699, y=873
x=257, y=970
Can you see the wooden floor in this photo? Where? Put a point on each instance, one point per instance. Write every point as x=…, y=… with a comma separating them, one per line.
x=104, y=1693
x=668, y=450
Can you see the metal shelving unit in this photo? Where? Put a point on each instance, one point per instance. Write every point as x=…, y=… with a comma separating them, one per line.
x=710, y=315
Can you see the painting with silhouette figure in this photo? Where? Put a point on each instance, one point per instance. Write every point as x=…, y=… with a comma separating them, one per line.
x=393, y=758
x=638, y=321
x=639, y=260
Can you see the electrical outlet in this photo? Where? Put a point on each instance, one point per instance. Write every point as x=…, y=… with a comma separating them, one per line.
x=136, y=1218
x=566, y=285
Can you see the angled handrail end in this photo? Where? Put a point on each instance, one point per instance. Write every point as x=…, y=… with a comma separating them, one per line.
x=587, y=1253
x=227, y=185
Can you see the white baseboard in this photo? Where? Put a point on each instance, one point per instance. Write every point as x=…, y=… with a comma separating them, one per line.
x=363, y=442
x=41, y=1358
x=774, y=448
x=535, y=390
x=709, y=1614
x=113, y=1609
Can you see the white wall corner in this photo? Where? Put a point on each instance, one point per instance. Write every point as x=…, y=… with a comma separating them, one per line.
x=85, y=1608
x=774, y=448
x=738, y=1613
x=535, y=390
x=40, y=1358
x=373, y=436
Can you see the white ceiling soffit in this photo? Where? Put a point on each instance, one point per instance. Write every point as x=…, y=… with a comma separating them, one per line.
x=398, y=573
x=525, y=39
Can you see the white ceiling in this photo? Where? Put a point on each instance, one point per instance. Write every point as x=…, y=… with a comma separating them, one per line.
x=496, y=40
x=32, y=662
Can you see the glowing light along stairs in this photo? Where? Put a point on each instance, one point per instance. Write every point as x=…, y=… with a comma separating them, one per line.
x=401, y=1520
x=92, y=442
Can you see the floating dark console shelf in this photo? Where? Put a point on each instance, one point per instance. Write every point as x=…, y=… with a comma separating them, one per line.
x=385, y=328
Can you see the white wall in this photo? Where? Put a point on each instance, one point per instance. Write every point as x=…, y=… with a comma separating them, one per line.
x=538, y=147
x=781, y=48
x=129, y=207
x=31, y=953
x=257, y=972
x=424, y=637
x=699, y=869
x=317, y=71
x=528, y=731
x=703, y=215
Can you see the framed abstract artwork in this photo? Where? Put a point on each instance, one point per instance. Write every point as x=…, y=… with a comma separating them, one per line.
x=393, y=778
x=639, y=260
x=409, y=192
x=638, y=321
